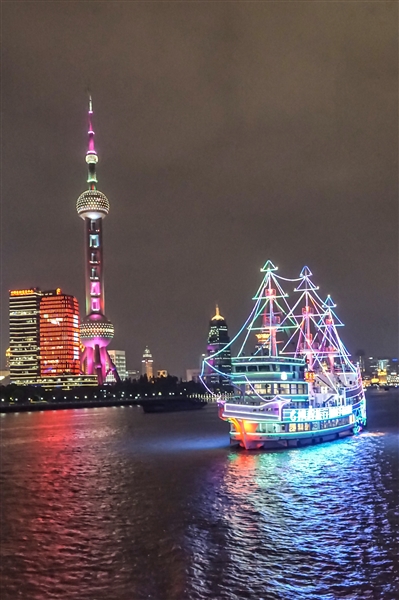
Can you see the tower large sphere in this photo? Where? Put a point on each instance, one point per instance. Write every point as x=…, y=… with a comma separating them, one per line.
x=96, y=329
x=92, y=204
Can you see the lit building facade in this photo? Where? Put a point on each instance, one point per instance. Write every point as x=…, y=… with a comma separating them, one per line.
x=96, y=331
x=147, y=364
x=118, y=357
x=133, y=374
x=218, y=352
x=8, y=355
x=59, y=334
x=67, y=382
x=24, y=335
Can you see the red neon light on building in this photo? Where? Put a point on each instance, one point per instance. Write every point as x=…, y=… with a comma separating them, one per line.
x=59, y=335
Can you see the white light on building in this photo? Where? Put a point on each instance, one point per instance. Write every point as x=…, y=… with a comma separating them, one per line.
x=118, y=357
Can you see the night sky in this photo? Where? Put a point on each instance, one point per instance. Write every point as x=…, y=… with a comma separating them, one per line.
x=228, y=134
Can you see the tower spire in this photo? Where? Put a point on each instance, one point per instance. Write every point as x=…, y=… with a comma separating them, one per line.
x=218, y=316
x=91, y=154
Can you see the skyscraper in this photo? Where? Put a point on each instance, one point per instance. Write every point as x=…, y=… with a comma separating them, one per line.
x=118, y=357
x=147, y=364
x=44, y=340
x=24, y=335
x=96, y=331
x=59, y=334
x=220, y=355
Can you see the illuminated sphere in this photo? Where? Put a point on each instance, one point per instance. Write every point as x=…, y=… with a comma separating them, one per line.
x=96, y=329
x=92, y=204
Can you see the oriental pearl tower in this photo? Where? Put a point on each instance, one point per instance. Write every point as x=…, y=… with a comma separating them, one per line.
x=96, y=331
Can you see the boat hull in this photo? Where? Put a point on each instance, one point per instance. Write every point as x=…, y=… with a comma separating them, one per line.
x=258, y=442
x=253, y=429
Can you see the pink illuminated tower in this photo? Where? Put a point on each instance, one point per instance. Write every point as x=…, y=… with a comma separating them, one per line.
x=96, y=331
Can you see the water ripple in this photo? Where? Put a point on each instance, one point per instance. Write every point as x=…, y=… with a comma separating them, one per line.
x=116, y=505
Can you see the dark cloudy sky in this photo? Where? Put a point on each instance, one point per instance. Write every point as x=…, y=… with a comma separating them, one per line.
x=228, y=133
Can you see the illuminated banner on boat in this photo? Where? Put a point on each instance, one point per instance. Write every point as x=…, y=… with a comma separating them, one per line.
x=317, y=414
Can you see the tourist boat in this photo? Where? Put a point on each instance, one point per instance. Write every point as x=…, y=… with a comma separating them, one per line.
x=292, y=381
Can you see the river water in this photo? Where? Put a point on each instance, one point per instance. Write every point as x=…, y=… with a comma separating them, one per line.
x=114, y=504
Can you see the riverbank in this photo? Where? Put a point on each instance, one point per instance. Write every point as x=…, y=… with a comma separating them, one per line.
x=160, y=404
x=39, y=406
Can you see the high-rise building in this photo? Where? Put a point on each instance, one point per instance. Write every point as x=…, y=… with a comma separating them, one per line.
x=96, y=331
x=147, y=364
x=44, y=340
x=8, y=356
x=24, y=335
x=360, y=359
x=59, y=334
x=133, y=374
x=220, y=355
x=118, y=357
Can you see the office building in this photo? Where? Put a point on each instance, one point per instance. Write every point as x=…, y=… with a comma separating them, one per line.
x=147, y=364
x=133, y=374
x=44, y=339
x=24, y=335
x=59, y=335
x=118, y=357
x=220, y=355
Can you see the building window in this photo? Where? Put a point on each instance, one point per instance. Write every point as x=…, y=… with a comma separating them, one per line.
x=94, y=241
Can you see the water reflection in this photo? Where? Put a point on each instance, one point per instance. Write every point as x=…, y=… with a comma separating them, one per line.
x=113, y=504
x=319, y=522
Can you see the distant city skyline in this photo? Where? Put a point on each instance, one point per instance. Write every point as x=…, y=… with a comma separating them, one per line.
x=229, y=136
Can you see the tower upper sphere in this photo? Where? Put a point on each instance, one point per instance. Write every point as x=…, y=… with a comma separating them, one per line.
x=92, y=204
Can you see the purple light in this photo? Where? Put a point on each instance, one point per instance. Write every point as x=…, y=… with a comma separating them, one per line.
x=96, y=331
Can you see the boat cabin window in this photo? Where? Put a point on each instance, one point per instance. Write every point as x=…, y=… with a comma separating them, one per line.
x=285, y=368
x=252, y=367
x=264, y=367
x=240, y=369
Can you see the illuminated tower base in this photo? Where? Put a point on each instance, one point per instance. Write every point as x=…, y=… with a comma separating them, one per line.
x=96, y=332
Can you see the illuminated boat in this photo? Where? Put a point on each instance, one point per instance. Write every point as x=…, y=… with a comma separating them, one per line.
x=292, y=379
